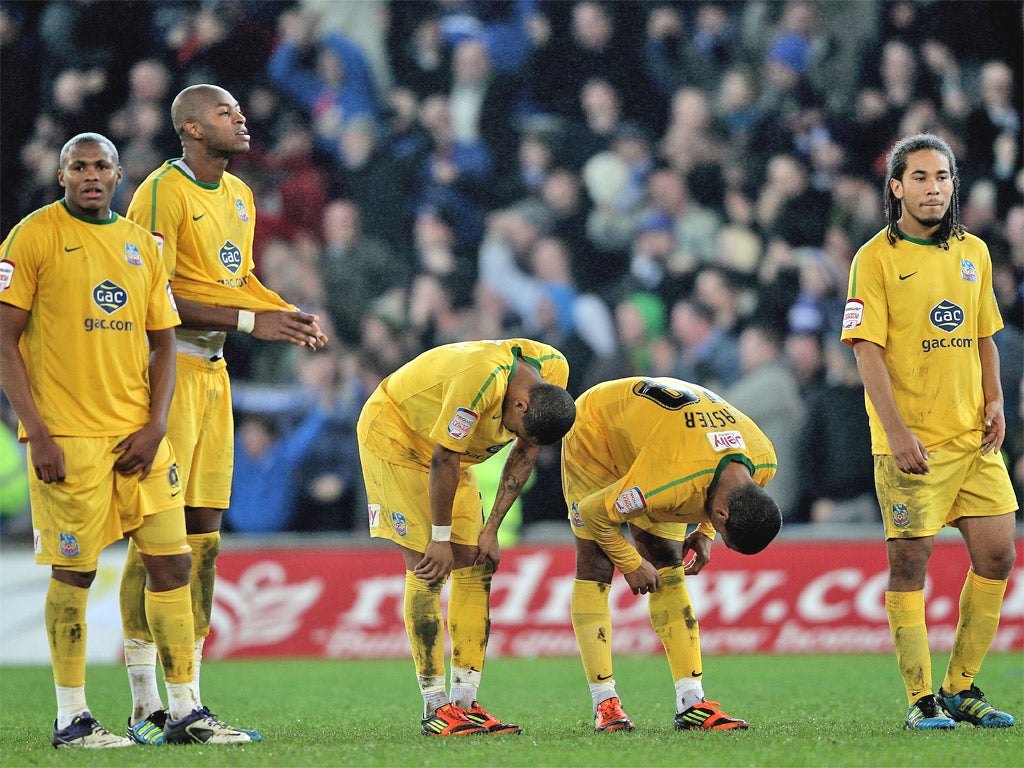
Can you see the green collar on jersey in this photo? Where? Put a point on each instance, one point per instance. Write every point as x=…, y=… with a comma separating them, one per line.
x=915, y=240
x=88, y=219
x=517, y=353
x=726, y=460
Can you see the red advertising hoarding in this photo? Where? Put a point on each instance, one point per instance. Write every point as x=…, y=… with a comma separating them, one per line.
x=795, y=597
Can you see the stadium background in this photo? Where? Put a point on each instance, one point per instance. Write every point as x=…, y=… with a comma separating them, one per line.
x=664, y=187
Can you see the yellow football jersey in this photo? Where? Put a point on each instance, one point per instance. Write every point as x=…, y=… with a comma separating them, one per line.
x=92, y=290
x=452, y=395
x=206, y=235
x=927, y=306
x=656, y=446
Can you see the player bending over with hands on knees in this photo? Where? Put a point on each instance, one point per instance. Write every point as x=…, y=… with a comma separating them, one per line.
x=420, y=432
x=658, y=454
x=921, y=315
x=87, y=359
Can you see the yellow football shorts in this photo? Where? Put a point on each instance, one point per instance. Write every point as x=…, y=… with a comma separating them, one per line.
x=398, y=504
x=201, y=428
x=961, y=483
x=95, y=505
x=578, y=484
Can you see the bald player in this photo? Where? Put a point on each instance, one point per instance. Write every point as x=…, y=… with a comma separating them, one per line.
x=203, y=218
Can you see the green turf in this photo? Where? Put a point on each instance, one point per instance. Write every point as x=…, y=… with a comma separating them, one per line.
x=804, y=711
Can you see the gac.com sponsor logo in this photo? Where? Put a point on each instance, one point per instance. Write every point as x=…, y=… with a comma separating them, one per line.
x=108, y=324
x=927, y=345
x=109, y=296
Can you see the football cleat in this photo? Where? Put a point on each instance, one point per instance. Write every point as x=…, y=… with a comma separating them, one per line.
x=926, y=714
x=85, y=732
x=254, y=735
x=149, y=731
x=708, y=716
x=200, y=726
x=450, y=720
x=481, y=716
x=971, y=707
x=610, y=717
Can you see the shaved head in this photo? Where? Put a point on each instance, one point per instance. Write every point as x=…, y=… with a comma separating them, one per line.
x=193, y=101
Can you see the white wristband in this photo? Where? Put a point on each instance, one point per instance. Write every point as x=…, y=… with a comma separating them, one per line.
x=246, y=320
x=440, y=533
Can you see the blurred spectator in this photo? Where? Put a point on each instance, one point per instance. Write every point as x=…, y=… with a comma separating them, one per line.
x=595, y=130
x=364, y=23
x=687, y=52
x=326, y=75
x=482, y=104
x=768, y=392
x=355, y=268
x=994, y=115
x=377, y=181
x=453, y=173
x=706, y=352
x=595, y=48
x=691, y=139
x=419, y=58
x=329, y=494
x=788, y=207
x=837, y=485
x=640, y=323
x=222, y=43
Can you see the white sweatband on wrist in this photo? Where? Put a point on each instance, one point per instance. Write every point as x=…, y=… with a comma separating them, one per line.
x=246, y=320
x=440, y=533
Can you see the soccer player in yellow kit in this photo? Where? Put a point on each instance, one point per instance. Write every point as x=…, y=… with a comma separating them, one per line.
x=920, y=315
x=658, y=454
x=87, y=360
x=204, y=218
x=420, y=432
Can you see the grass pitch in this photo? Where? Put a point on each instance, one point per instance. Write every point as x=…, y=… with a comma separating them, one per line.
x=804, y=711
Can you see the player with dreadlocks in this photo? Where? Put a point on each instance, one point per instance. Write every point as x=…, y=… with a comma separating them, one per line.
x=920, y=317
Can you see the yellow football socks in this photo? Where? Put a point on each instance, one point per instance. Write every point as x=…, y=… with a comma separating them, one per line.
x=980, y=601
x=205, y=548
x=65, y=628
x=469, y=616
x=170, y=619
x=592, y=623
x=673, y=620
x=910, y=638
x=422, y=612
x=133, y=601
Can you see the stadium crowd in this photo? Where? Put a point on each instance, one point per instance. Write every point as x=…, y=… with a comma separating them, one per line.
x=666, y=188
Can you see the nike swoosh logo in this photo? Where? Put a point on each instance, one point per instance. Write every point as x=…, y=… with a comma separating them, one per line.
x=176, y=493
x=604, y=677
x=904, y=277
x=69, y=250
x=695, y=673
x=197, y=218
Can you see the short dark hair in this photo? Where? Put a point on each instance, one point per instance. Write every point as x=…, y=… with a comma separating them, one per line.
x=88, y=138
x=896, y=166
x=754, y=519
x=551, y=413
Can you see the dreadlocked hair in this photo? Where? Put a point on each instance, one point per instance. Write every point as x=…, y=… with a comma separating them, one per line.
x=896, y=166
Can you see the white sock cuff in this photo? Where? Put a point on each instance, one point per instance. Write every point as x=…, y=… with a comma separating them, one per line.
x=689, y=691
x=139, y=653
x=602, y=692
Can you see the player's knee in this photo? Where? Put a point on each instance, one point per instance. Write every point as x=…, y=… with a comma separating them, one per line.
x=167, y=572
x=74, y=578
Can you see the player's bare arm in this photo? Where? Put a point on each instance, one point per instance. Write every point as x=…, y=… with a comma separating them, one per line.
x=995, y=419
x=292, y=326
x=907, y=449
x=139, y=449
x=514, y=476
x=700, y=545
x=445, y=470
x=47, y=457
